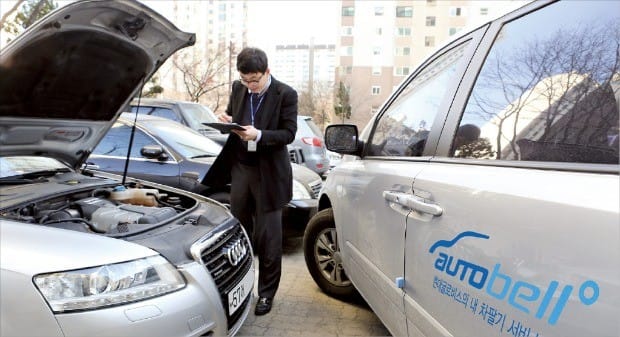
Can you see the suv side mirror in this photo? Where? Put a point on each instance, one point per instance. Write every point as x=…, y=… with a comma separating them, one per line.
x=342, y=138
x=154, y=152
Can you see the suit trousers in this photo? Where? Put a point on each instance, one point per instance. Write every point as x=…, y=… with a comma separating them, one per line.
x=264, y=228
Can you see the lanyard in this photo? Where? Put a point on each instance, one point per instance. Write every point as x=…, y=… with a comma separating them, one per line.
x=253, y=112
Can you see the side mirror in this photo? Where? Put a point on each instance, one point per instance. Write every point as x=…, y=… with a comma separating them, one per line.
x=154, y=152
x=342, y=138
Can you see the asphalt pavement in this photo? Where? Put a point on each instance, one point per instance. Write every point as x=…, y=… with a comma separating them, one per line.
x=301, y=309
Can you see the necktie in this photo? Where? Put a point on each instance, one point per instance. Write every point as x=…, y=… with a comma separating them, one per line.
x=255, y=101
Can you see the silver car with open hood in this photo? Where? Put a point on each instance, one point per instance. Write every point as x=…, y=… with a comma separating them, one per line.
x=85, y=254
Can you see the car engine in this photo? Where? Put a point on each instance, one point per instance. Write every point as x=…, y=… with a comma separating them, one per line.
x=110, y=210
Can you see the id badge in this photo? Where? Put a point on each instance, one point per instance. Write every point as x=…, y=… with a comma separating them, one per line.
x=251, y=146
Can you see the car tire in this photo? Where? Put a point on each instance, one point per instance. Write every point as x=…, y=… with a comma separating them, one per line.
x=322, y=255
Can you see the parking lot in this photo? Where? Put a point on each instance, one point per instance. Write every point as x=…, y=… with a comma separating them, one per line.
x=301, y=309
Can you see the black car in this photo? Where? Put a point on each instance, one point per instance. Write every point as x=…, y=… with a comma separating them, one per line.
x=169, y=153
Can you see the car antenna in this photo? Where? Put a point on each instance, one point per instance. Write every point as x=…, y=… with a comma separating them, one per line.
x=133, y=131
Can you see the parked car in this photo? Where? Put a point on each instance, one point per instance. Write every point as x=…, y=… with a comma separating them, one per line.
x=190, y=114
x=90, y=254
x=307, y=149
x=483, y=198
x=168, y=153
x=309, y=146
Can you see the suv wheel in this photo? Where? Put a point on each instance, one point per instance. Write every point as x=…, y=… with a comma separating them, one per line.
x=323, y=259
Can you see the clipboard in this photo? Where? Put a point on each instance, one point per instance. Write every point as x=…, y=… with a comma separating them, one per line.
x=225, y=127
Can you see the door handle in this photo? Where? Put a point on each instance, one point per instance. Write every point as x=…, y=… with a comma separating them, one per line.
x=412, y=202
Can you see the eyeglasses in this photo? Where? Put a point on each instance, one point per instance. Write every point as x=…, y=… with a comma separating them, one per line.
x=248, y=82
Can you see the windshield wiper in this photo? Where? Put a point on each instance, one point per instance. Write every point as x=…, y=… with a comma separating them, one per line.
x=204, y=156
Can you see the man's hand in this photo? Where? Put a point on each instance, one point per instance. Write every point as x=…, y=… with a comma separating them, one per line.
x=224, y=118
x=250, y=133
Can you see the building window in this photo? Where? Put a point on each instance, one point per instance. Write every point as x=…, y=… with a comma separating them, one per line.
x=453, y=30
x=348, y=11
x=431, y=2
x=484, y=11
x=379, y=31
x=376, y=70
x=376, y=90
x=346, y=51
x=430, y=21
x=429, y=41
x=404, y=11
x=401, y=71
x=346, y=70
x=457, y=11
x=403, y=31
x=376, y=51
x=347, y=31
x=378, y=11
x=403, y=51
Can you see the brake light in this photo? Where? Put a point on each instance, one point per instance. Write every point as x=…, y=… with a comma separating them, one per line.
x=312, y=141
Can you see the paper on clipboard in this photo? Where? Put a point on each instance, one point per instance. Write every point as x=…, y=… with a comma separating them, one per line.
x=225, y=127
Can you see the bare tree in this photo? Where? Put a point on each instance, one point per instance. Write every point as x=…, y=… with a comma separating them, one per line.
x=202, y=76
x=317, y=103
x=10, y=12
x=31, y=11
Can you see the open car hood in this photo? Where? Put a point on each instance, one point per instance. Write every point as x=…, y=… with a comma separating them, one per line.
x=64, y=81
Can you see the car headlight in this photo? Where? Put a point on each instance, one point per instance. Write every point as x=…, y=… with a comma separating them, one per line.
x=300, y=191
x=108, y=285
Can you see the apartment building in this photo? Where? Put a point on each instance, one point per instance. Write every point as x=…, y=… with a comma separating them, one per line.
x=381, y=42
x=302, y=65
x=221, y=32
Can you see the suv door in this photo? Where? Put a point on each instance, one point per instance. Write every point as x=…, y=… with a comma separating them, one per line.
x=526, y=174
x=376, y=193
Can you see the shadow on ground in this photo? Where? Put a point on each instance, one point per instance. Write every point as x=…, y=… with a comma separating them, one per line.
x=301, y=309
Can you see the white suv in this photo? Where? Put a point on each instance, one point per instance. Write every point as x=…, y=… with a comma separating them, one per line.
x=483, y=198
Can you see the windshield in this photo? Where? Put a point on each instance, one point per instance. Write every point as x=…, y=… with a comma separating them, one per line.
x=196, y=114
x=186, y=142
x=15, y=166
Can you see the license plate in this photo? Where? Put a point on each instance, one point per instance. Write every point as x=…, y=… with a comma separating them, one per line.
x=240, y=292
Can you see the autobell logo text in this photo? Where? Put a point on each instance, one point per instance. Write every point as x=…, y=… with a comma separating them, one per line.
x=527, y=297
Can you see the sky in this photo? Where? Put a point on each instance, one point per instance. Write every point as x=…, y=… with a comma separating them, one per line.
x=292, y=21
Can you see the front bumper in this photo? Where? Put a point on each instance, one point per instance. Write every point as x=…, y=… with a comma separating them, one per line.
x=195, y=310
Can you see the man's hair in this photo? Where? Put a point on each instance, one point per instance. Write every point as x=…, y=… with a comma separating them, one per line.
x=251, y=60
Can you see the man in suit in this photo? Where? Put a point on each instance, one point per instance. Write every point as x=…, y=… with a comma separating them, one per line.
x=256, y=163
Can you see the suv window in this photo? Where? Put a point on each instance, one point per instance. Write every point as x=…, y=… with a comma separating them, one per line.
x=403, y=129
x=548, y=90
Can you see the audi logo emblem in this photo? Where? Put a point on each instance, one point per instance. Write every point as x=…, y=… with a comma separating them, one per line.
x=235, y=252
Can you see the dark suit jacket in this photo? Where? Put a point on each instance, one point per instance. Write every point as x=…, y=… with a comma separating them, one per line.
x=277, y=120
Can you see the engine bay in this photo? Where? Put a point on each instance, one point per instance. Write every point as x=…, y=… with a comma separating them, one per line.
x=106, y=210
